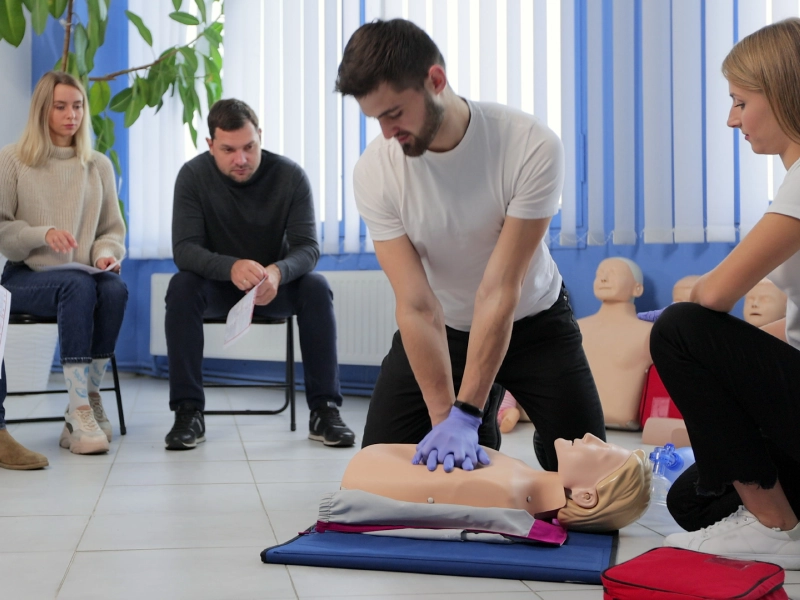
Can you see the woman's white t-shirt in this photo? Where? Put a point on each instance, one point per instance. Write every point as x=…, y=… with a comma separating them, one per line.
x=787, y=275
x=452, y=205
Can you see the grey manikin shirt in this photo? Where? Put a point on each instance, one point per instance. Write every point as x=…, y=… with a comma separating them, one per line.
x=268, y=218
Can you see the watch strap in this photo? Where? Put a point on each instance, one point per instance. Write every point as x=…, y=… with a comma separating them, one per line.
x=470, y=409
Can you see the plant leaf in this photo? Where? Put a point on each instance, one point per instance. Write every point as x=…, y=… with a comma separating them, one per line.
x=183, y=17
x=80, y=43
x=39, y=14
x=212, y=35
x=12, y=21
x=177, y=4
x=115, y=161
x=190, y=59
x=120, y=102
x=98, y=19
x=57, y=7
x=201, y=8
x=143, y=30
x=99, y=96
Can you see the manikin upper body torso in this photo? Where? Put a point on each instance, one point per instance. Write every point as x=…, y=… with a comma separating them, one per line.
x=386, y=470
x=764, y=304
x=617, y=343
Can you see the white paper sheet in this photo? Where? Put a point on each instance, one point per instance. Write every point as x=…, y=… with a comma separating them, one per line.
x=80, y=267
x=5, y=312
x=239, y=318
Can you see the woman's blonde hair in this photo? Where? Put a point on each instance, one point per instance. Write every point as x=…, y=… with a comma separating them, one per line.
x=35, y=146
x=766, y=61
x=622, y=497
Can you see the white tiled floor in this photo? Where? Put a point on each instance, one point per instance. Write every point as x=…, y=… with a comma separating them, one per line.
x=141, y=522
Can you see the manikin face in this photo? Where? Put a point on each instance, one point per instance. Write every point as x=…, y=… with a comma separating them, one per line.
x=412, y=117
x=584, y=462
x=66, y=114
x=682, y=289
x=752, y=114
x=237, y=153
x=614, y=282
x=764, y=304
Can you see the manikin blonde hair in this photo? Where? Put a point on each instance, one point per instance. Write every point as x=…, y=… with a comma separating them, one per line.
x=35, y=146
x=622, y=497
x=766, y=61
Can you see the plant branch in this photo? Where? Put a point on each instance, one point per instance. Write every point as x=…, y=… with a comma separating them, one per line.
x=65, y=55
x=115, y=74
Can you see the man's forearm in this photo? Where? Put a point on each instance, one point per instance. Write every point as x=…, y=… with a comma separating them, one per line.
x=425, y=343
x=489, y=337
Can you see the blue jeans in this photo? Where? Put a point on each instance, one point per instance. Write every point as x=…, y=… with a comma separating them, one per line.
x=191, y=297
x=89, y=308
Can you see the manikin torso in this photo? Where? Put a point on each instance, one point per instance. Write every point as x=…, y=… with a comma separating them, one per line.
x=386, y=470
x=617, y=345
x=764, y=304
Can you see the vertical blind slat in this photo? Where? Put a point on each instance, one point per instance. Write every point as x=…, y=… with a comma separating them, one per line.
x=595, y=134
x=624, y=134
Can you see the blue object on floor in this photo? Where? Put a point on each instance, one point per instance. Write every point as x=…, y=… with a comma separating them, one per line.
x=581, y=559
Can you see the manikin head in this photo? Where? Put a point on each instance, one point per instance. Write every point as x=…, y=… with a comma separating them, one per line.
x=682, y=289
x=397, y=74
x=618, y=280
x=764, y=304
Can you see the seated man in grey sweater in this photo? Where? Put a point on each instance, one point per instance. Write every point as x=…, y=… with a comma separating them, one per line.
x=243, y=215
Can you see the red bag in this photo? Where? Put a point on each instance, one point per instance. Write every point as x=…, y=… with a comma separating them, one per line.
x=675, y=573
x=655, y=399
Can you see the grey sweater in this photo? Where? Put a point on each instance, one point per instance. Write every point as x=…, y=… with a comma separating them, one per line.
x=268, y=218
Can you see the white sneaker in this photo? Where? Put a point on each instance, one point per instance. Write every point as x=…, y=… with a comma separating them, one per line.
x=81, y=434
x=100, y=414
x=742, y=536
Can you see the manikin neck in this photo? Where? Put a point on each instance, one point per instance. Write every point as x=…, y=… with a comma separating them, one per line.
x=614, y=308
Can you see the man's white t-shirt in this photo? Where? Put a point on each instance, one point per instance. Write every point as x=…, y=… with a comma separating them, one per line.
x=452, y=205
x=787, y=275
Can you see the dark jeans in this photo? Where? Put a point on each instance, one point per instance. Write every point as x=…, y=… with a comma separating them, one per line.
x=738, y=389
x=191, y=297
x=89, y=307
x=544, y=368
x=3, y=391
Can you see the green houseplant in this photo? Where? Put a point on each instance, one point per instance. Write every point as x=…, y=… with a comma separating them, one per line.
x=178, y=69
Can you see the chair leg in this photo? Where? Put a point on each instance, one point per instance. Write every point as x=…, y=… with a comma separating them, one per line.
x=290, y=370
x=117, y=391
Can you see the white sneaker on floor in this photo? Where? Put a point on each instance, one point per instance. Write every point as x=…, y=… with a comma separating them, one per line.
x=742, y=536
x=96, y=402
x=82, y=434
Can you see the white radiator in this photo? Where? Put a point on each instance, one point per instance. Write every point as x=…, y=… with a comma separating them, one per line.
x=363, y=302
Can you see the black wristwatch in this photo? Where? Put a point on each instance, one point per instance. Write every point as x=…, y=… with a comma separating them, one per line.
x=470, y=409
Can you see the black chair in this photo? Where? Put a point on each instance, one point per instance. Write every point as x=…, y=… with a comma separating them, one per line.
x=288, y=384
x=25, y=319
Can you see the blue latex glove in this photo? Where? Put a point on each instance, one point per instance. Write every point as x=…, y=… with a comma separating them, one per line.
x=650, y=315
x=453, y=442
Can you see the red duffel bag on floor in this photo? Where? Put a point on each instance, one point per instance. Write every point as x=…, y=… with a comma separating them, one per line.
x=675, y=573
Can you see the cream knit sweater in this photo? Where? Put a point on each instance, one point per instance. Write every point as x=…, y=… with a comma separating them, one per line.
x=61, y=194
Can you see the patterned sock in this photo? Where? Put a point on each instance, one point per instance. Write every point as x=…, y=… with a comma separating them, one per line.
x=77, y=375
x=96, y=371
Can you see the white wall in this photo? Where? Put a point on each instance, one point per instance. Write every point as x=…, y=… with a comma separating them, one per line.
x=15, y=88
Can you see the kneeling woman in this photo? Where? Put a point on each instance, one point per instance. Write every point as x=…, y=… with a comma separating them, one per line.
x=58, y=205
x=737, y=386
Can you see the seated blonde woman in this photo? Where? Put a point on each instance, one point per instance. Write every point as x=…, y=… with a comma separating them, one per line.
x=598, y=487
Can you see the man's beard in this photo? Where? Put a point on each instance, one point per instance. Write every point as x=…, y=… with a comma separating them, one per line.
x=434, y=115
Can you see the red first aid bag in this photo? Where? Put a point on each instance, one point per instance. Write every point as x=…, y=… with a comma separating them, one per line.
x=678, y=574
x=655, y=399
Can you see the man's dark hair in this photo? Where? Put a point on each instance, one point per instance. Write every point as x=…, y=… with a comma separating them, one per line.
x=229, y=115
x=396, y=52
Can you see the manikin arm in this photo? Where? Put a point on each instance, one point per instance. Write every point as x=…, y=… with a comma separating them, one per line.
x=495, y=303
x=769, y=244
x=421, y=321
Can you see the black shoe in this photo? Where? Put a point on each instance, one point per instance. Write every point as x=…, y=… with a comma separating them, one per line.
x=188, y=431
x=326, y=426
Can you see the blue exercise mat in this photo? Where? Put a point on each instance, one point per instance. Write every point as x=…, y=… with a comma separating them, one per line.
x=581, y=559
